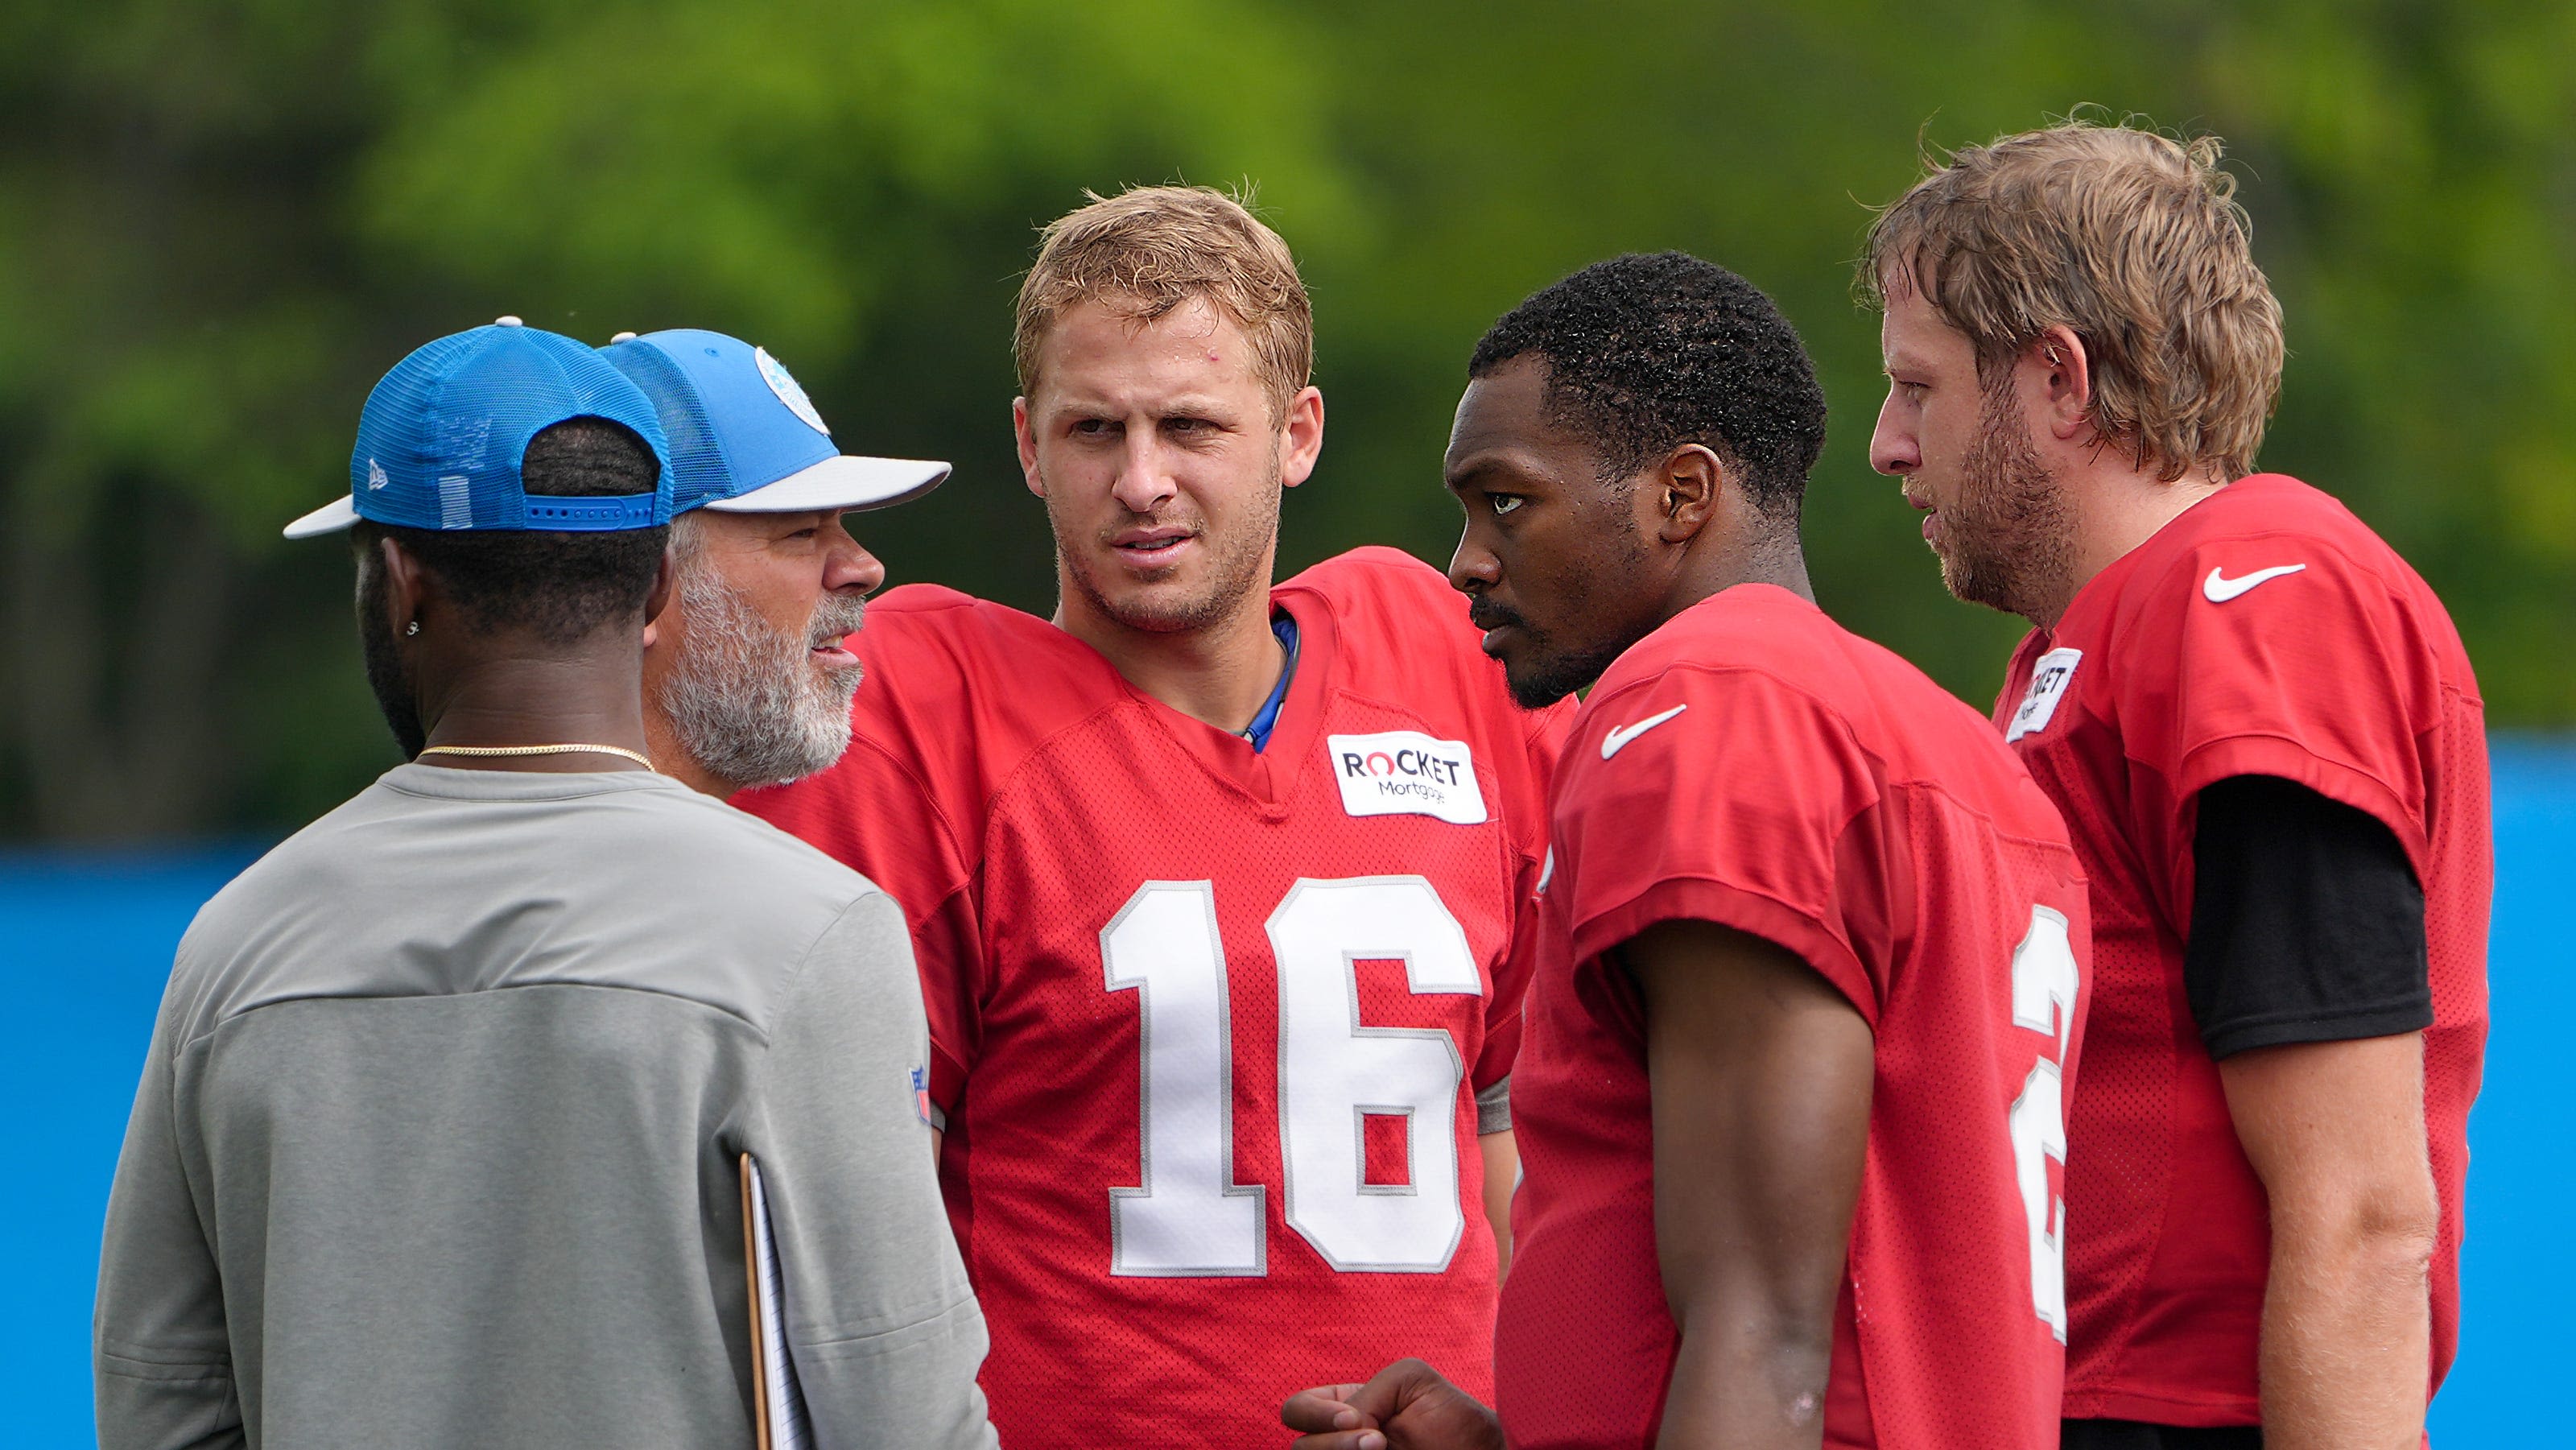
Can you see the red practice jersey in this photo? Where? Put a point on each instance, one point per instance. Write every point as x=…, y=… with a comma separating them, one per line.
x=1209, y=1027
x=2265, y=631
x=1752, y=764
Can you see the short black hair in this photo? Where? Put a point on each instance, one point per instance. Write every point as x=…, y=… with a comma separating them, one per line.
x=558, y=586
x=1647, y=352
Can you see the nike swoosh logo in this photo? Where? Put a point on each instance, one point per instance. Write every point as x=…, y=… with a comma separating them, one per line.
x=1617, y=739
x=2218, y=588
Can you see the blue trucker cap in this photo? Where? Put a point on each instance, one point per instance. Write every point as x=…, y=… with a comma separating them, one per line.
x=746, y=439
x=443, y=436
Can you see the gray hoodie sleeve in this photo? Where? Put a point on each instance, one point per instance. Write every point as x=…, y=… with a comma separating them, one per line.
x=883, y=1331
x=160, y=1350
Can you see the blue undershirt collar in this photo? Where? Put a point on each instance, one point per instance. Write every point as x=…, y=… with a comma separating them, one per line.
x=1284, y=629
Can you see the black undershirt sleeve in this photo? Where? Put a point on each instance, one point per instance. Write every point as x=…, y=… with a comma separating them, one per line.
x=2132, y=1435
x=2307, y=922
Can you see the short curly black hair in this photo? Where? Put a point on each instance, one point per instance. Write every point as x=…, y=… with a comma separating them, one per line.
x=1646, y=352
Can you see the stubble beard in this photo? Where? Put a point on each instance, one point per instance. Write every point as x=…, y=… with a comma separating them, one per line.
x=1547, y=673
x=385, y=676
x=1240, y=566
x=2007, y=541
x=745, y=699
x=1547, y=669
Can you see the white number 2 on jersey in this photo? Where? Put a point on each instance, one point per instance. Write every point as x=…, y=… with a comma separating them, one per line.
x=1189, y=1217
x=2044, y=984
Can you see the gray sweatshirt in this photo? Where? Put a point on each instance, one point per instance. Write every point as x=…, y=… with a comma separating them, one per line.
x=437, y=1142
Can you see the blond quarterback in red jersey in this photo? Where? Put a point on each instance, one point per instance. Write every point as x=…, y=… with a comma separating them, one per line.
x=1214, y=884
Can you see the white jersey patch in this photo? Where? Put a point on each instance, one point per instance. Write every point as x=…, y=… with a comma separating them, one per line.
x=1406, y=773
x=2048, y=681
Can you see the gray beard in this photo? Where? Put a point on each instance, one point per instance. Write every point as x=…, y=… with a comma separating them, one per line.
x=744, y=699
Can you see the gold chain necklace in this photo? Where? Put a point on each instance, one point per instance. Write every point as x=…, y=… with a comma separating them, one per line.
x=515, y=750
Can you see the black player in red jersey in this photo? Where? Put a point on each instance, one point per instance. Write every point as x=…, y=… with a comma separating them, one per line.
x=2267, y=744
x=1810, y=958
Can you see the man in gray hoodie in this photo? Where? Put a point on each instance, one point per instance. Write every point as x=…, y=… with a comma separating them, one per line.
x=438, y=1139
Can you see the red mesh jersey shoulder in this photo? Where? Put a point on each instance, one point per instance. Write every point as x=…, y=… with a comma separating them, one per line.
x=1916, y=731
x=1764, y=737
x=1378, y=570
x=2305, y=590
x=2305, y=529
x=1411, y=628
x=935, y=655
x=2267, y=631
x=2272, y=508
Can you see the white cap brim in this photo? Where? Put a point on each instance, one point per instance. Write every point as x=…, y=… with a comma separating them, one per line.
x=330, y=518
x=842, y=483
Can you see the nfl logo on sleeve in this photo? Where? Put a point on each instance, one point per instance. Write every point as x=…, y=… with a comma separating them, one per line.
x=2048, y=681
x=1406, y=773
x=922, y=1106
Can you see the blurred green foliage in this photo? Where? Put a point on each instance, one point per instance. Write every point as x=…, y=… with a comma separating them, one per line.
x=219, y=224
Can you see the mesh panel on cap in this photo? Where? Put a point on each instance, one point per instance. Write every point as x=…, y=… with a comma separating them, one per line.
x=449, y=428
x=394, y=435
x=698, y=470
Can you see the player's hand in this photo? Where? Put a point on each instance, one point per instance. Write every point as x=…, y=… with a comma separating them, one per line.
x=1408, y=1406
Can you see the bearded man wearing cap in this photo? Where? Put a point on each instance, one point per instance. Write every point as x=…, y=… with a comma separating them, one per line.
x=437, y=1141
x=747, y=673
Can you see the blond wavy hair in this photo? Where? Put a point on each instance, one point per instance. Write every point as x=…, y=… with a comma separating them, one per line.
x=2130, y=240
x=1151, y=249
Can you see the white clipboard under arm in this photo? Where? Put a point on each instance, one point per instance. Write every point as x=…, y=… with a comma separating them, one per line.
x=779, y=1407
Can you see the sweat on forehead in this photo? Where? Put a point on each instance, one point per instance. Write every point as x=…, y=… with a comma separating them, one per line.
x=1646, y=352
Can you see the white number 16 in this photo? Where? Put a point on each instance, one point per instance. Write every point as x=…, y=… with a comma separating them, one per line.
x=1188, y=1217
